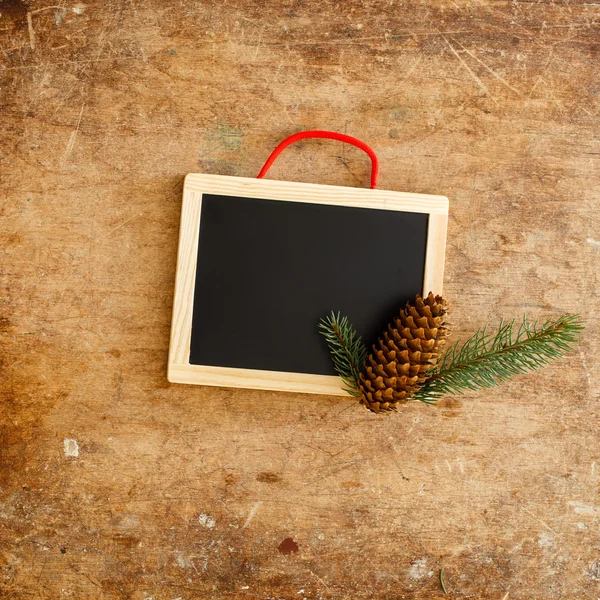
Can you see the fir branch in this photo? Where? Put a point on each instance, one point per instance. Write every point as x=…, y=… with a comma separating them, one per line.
x=487, y=360
x=348, y=351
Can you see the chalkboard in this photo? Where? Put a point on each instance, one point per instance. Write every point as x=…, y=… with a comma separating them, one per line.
x=261, y=261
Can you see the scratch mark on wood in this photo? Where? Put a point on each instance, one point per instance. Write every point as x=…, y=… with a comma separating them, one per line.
x=285, y=110
x=73, y=135
x=489, y=70
x=94, y=581
x=31, y=31
x=540, y=521
x=123, y=223
x=318, y=579
x=471, y=73
x=39, y=10
x=350, y=41
x=415, y=64
x=72, y=62
x=258, y=43
x=251, y=514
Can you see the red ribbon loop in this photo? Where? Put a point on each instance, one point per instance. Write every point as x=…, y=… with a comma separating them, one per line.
x=330, y=135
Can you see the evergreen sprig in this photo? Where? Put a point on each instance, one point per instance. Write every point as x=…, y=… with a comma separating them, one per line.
x=487, y=360
x=348, y=351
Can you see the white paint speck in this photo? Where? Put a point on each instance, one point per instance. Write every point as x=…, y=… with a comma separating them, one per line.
x=207, y=521
x=581, y=508
x=321, y=536
x=594, y=571
x=79, y=8
x=545, y=540
x=71, y=447
x=128, y=522
x=593, y=242
x=418, y=569
x=586, y=369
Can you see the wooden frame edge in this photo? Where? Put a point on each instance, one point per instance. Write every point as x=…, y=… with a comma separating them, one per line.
x=433, y=277
x=256, y=379
x=185, y=277
x=316, y=193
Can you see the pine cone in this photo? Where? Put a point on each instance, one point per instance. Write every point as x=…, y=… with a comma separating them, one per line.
x=404, y=354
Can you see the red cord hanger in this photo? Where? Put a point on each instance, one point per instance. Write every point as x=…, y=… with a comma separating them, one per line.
x=331, y=135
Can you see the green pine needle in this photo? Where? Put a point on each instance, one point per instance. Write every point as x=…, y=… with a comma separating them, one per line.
x=487, y=360
x=348, y=351
x=442, y=581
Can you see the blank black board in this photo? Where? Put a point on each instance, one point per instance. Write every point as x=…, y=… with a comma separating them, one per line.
x=268, y=271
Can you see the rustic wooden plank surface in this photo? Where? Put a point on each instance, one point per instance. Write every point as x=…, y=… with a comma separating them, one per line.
x=116, y=484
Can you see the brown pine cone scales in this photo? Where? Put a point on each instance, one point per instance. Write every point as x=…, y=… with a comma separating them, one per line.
x=401, y=358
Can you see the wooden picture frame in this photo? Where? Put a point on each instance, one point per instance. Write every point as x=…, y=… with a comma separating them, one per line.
x=179, y=368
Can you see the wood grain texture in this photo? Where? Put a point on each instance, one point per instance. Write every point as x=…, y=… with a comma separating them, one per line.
x=169, y=491
x=179, y=368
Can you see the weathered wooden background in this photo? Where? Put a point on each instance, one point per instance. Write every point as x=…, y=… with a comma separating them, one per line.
x=116, y=484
